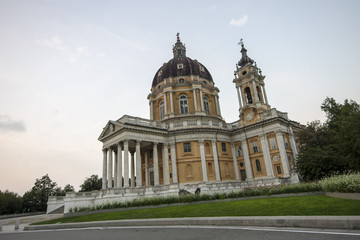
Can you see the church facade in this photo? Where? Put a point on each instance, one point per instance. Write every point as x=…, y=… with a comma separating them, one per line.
x=187, y=145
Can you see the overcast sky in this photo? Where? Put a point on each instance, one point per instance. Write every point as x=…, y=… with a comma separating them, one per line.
x=67, y=67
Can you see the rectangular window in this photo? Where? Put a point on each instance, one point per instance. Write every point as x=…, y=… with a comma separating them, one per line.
x=239, y=151
x=187, y=147
x=272, y=143
x=223, y=147
x=255, y=147
x=278, y=168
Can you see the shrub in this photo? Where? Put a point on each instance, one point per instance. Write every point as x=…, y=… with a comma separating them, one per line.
x=343, y=183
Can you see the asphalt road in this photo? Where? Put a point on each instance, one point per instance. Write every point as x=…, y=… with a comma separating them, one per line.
x=184, y=232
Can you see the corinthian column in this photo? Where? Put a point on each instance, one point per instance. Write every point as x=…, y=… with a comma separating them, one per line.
x=156, y=165
x=138, y=165
x=126, y=163
x=110, y=169
x=104, y=173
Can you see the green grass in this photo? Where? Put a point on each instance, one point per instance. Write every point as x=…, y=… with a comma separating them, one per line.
x=286, y=206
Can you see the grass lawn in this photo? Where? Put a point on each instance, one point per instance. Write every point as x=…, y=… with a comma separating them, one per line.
x=287, y=206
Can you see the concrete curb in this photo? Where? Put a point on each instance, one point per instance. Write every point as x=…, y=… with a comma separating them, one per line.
x=333, y=222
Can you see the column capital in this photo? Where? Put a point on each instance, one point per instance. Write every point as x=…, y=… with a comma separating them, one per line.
x=243, y=139
x=105, y=149
x=172, y=144
x=262, y=135
x=201, y=141
x=138, y=141
x=155, y=144
x=278, y=132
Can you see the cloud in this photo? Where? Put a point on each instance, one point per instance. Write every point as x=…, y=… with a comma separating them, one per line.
x=58, y=44
x=240, y=22
x=6, y=123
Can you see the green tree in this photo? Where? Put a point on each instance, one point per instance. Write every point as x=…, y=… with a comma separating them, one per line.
x=10, y=203
x=92, y=183
x=36, y=199
x=343, y=120
x=318, y=156
x=62, y=192
x=333, y=147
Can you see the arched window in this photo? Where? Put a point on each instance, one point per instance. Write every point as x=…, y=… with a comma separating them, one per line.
x=206, y=105
x=161, y=110
x=183, y=104
x=248, y=96
x=210, y=168
x=207, y=149
x=188, y=170
x=258, y=165
x=259, y=93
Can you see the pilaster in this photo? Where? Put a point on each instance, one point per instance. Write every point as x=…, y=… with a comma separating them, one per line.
x=236, y=168
x=216, y=161
x=248, y=167
x=283, y=156
x=173, y=163
x=203, y=160
x=166, y=164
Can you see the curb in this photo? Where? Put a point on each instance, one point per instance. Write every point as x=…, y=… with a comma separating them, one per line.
x=333, y=222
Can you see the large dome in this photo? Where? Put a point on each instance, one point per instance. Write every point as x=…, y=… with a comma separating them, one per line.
x=181, y=66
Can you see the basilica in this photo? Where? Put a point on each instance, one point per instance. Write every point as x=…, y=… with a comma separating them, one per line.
x=186, y=145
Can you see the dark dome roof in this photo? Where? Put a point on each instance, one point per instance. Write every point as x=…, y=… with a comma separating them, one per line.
x=189, y=67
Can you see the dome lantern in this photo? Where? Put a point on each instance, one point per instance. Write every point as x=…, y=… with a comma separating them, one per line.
x=179, y=49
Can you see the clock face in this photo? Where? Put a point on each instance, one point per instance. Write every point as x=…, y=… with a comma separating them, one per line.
x=249, y=116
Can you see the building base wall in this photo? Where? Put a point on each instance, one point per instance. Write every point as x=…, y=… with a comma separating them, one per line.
x=92, y=199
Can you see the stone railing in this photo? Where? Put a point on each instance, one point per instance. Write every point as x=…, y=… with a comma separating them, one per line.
x=273, y=113
x=211, y=123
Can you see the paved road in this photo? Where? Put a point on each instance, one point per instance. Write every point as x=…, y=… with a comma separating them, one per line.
x=184, y=232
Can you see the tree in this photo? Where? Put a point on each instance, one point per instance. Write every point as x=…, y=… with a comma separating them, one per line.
x=318, y=156
x=343, y=120
x=333, y=147
x=36, y=199
x=10, y=203
x=62, y=192
x=92, y=183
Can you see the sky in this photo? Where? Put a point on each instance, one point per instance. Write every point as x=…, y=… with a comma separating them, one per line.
x=67, y=67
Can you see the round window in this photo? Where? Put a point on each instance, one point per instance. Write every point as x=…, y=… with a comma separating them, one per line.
x=244, y=72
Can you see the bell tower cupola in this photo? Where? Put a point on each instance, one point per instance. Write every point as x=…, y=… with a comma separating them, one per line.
x=250, y=86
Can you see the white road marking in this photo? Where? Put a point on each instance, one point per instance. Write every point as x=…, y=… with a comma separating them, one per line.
x=327, y=232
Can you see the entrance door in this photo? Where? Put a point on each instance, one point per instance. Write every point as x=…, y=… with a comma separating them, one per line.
x=151, y=178
x=243, y=175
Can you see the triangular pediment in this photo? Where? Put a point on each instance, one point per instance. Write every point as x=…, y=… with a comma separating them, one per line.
x=110, y=128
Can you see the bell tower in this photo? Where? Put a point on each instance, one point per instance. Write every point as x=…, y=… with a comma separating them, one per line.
x=250, y=86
